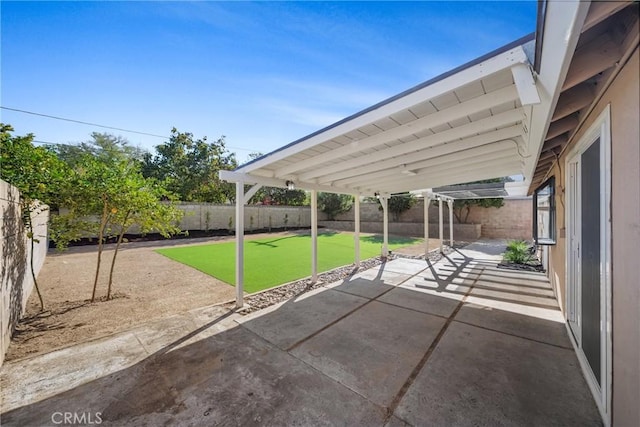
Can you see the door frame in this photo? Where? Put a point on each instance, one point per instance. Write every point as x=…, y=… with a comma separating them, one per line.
x=601, y=128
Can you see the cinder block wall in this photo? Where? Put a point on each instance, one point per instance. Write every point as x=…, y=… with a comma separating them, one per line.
x=205, y=216
x=511, y=221
x=15, y=250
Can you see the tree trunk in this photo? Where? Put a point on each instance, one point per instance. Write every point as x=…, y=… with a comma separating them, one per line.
x=103, y=225
x=466, y=217
x=458, y=214
x=115, y=253
x=29, y=227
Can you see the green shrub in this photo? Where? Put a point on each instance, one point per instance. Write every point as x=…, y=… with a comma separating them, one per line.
x=517, y=252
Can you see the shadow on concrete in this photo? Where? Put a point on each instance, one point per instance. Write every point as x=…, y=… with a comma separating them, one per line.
x=364, y=351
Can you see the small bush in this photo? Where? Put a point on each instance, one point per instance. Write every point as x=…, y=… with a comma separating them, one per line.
x=517, y=252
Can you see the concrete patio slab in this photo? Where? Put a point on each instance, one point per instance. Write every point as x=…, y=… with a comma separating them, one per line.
x=362, y=287
x=383, y=274
x=29, y=380
x=443, y=289
x=232, y=379
x=381, y=348
x=372, y=351
x=485, y=378
x=520, y=295
x=289, y=322
x=407, y=266
x=531, y=327
x=420, y=301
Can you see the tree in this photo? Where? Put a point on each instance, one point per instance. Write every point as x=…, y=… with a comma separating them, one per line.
x=139, y=203
x=333, y=204
x=189, y=168
x=94, y=188
x=462, y=207
x=102, y=146
x=280, y=196
x=399, y=203
x=111, y=188
x=37, y=173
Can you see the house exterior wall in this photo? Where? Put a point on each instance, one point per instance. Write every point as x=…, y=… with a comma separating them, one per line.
x=623, y=98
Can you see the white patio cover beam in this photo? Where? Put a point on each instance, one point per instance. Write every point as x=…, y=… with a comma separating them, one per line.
x=525, y=83
x=468, y=108
x=505, y=134
x=486, y=152
x=427, y=202
x=385, y=225
x=356, y=232
x=510, y=153
x=239, y=244
x=490, y=66
x=480, y=126
x=483, y=171
x=440, y=224
x=235, y=176
x=450, y=206
x=314, y=236
x=251, y=192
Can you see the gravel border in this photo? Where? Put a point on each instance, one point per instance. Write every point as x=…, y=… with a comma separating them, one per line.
x=269, y=297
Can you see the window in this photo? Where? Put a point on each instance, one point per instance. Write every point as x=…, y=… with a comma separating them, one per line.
x=544, y=213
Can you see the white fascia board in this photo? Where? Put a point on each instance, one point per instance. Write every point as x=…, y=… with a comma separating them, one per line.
x=486, y=153
x=504, y=134
x=473, y=106
x=562, y=26
x=235, y=176
x=479, y=126
x=486, y=68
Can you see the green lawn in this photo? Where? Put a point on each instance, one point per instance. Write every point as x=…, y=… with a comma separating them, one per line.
x=273, y=261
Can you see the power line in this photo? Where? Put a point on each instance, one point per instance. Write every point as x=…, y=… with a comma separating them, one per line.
x=98, y=125
x=84, y=123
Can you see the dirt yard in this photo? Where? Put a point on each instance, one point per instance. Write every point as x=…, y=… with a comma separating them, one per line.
x=146, y=286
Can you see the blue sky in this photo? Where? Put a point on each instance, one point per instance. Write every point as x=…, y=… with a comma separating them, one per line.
x=262, y=74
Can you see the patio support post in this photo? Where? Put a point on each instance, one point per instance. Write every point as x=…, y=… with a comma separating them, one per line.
x=239, y=244
x=314, y=236
x=356, y=236
x=385, y=226
x=440, y=225
x=450, y=205
x=427, y=201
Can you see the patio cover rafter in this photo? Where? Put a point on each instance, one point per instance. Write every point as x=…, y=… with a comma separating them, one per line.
x=473, y=106
x=480, y=126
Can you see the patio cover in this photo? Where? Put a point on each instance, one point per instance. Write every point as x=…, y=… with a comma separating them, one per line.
x=482, y=120
x=468, y=124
